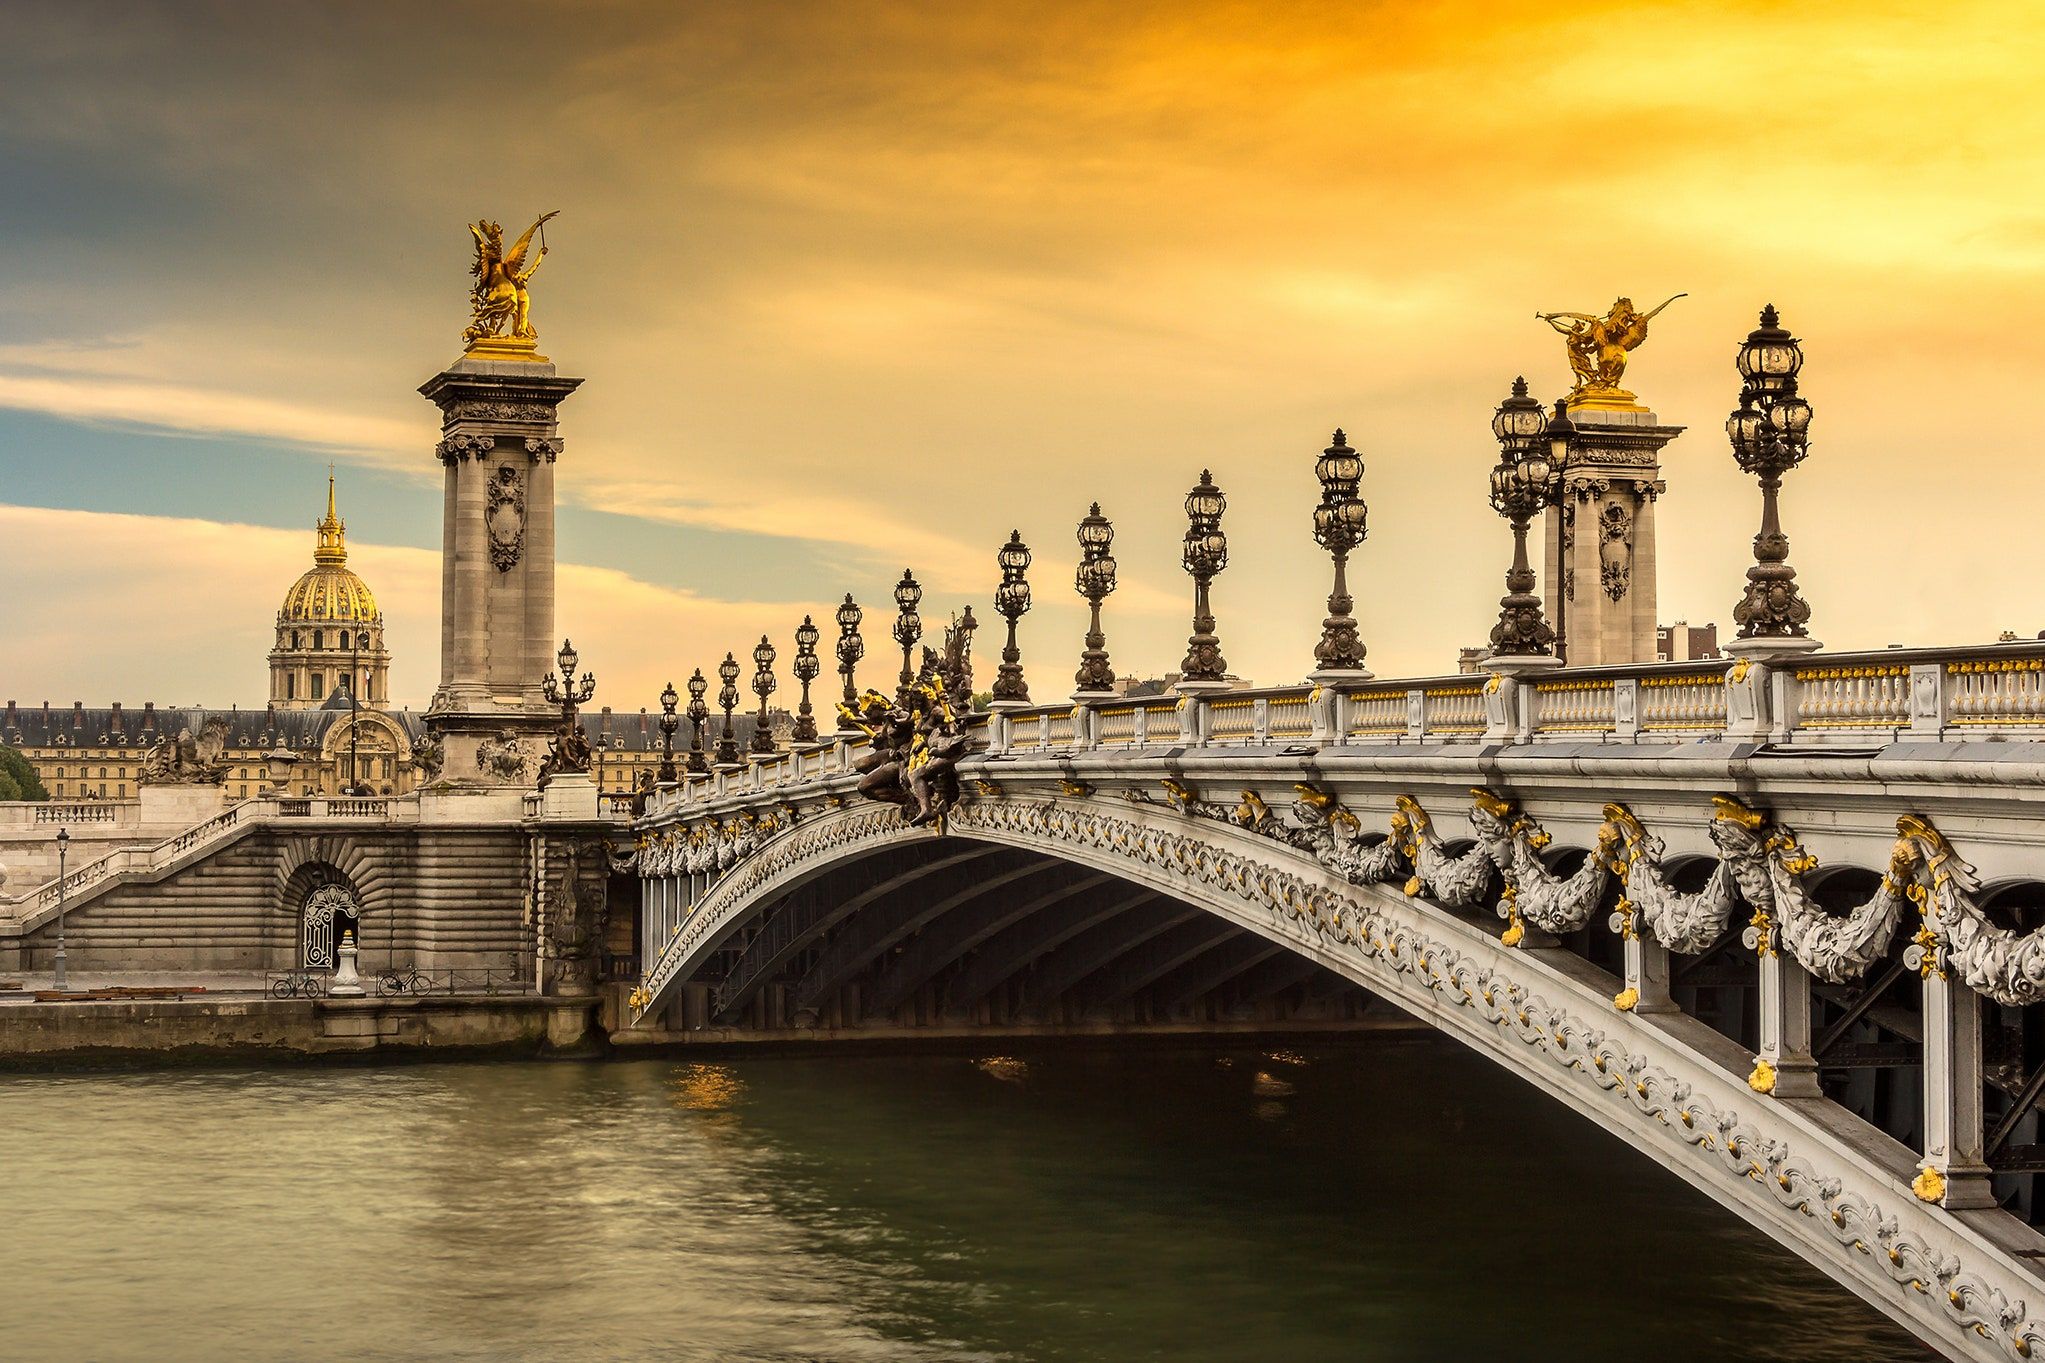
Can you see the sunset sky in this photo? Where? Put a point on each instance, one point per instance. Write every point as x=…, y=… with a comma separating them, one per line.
x=862, y=287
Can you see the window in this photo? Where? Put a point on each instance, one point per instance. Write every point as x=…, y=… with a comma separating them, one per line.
x=290, y=686
x=319, y=686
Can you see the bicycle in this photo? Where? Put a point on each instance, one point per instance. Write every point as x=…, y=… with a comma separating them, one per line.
x=406, y=980
x=299, y=984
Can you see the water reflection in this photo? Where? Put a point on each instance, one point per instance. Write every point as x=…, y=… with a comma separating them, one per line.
x=1402, y=1202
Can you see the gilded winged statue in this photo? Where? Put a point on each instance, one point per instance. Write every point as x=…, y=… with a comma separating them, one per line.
x=499, y=304
x=1598, y=345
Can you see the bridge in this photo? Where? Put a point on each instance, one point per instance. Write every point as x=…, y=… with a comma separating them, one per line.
x=1773, y=923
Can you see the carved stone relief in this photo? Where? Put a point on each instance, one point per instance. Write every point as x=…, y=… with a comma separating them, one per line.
x=506, y=518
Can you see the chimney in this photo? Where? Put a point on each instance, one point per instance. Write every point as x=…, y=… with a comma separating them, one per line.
x=148, y=716
x=77, y=714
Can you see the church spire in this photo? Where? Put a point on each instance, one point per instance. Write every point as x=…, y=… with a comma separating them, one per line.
x=333, y=544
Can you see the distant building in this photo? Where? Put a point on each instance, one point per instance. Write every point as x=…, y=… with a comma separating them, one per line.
x=1685, y=643
x=1138, y=687
x=1468, y=659
x=92, y=753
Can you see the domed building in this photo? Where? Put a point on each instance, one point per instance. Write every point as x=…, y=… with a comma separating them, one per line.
x=329, y=631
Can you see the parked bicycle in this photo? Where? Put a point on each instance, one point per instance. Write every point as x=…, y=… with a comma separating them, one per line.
x=403, y=980
x=299, y=984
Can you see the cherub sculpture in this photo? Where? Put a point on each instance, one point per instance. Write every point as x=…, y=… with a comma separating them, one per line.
x=499, y=304
x=917, y=739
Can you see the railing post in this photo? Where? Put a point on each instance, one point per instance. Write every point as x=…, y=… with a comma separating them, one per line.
x=1260, y=720
x=1626, y=707
x=1416, y=713
x=1952, y=1095
x=1647, y=974
x=1785, y=1010
x=1139, y=726
x=1927, y=699
x=1501, y=708
x=1324, y=712
x=1082, y=726
x=1191, y=722
x=997, y=732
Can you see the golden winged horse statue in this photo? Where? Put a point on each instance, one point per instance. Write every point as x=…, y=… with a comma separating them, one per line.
x=499, y=304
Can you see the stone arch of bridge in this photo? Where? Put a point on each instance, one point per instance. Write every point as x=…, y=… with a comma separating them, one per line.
x=1666, y=1083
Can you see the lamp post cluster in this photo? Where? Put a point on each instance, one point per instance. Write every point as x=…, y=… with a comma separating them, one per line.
x=727, y=700
x=1339, y=526
x=908, y=629
x=1204, y=554
x=1770, y=437
x=806, y=669
x=763, y=687
x=669, y=698
x=568, y=693
x=1530, y=452
x=1094, y=580
x=1012, y=602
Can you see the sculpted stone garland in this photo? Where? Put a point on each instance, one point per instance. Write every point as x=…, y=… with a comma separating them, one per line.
x=1734, y=1145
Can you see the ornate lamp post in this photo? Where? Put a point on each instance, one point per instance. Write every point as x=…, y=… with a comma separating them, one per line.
x=763, y=687
x=851, y=648
x=568, y=692
x=908, y=627
x=1012, y=602
x=1094, y=581
x=1770, y=437
x=1339, y=526
x=727, y=699
x=1522, y=484
x=669, y=698
x=698, y=712
x=806, y=669
x=1205, y=554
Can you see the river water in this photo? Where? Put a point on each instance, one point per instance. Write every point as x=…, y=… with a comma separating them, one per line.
x=1402, y=1200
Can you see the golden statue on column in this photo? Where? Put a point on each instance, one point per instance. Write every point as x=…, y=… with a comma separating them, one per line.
x=1597, y=352
x=500, y=321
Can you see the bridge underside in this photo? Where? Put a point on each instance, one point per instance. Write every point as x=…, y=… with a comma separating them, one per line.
x=963, y=935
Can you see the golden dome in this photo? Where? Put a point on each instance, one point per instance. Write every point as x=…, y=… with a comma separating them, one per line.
x=329, y=593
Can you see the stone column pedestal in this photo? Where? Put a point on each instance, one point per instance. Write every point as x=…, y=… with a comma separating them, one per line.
x=499, y=442
x=1598, y=569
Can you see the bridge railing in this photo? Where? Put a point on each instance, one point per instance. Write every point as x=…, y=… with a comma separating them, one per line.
x=1993, y=691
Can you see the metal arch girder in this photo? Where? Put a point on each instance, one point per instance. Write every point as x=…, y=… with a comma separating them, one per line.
x=1275, y=976
x=1091, y=950
x=1135, y=970
x=1015, y=948
x=772, y=948
x=950, y=937
x=868, y=935
x=1211, y=971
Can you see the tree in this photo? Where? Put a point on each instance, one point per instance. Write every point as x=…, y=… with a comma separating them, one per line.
x=18, y=779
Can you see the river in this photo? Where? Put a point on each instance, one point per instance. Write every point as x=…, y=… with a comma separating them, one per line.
x=1400, y=1200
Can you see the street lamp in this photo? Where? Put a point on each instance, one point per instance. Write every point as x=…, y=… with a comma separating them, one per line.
x=1522, y=484
x=727, y=699
x=698, y=712
x=1770, y=437
x=806, y=669
x=1012, y=601
x=763, y=687
x=1094, y=580
x=1204, y=554
x=1339, y=526
x=908, y=628
x=851, y=648
x=669, y=698
x=63, y=846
